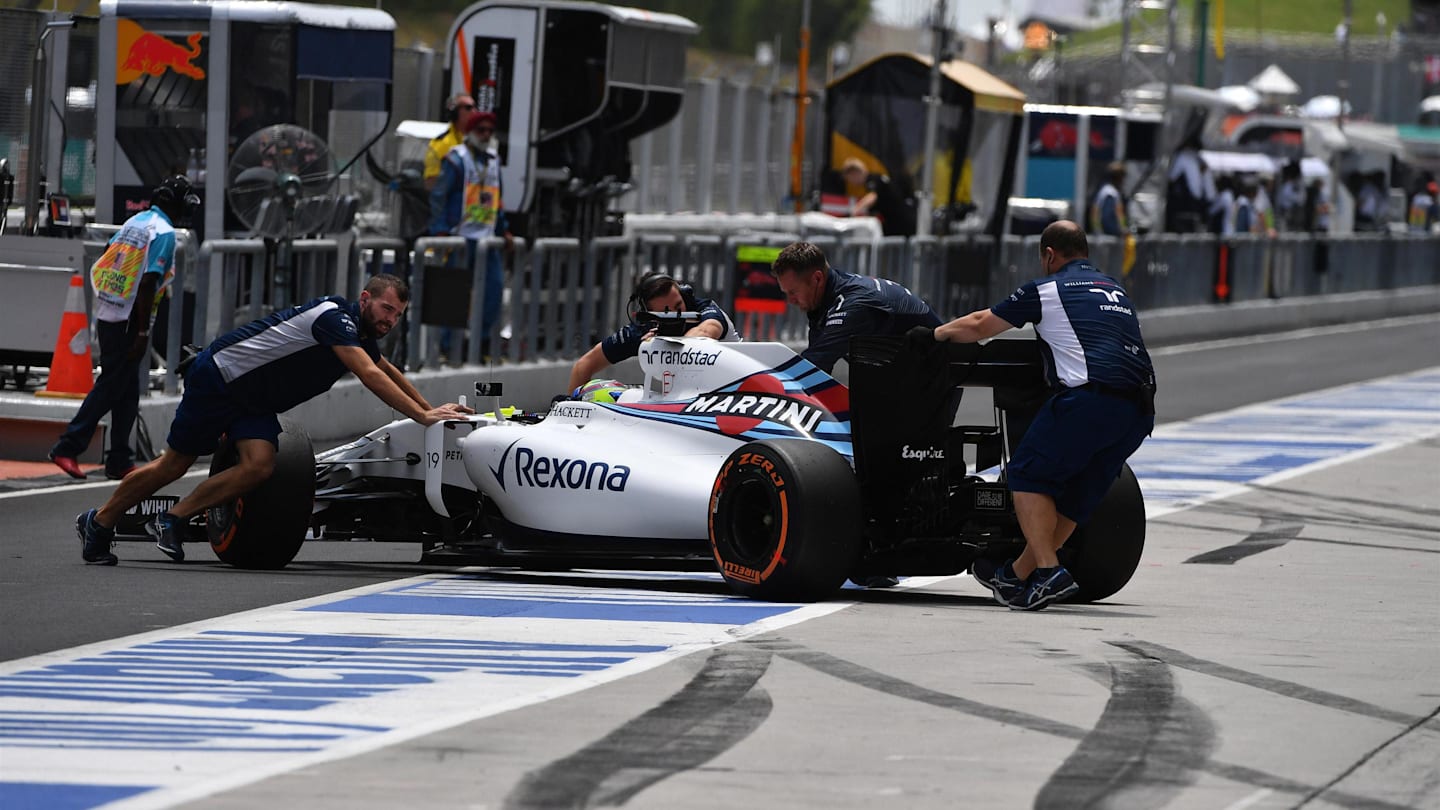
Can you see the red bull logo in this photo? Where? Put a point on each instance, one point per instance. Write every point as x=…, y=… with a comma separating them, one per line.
x=139, y=52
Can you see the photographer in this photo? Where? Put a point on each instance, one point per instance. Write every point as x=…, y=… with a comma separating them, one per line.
x=654, y=293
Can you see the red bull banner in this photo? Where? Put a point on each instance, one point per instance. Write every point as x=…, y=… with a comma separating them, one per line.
x=140, y=53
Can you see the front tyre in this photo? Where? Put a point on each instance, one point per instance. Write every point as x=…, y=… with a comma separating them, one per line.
x=785, y=520
x=1103, y=554
x=265, y=527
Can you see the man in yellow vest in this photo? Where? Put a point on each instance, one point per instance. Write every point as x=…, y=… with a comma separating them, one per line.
x=466, y=201
x=457, y=109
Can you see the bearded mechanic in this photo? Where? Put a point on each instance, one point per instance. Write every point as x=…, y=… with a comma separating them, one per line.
x=237, y=387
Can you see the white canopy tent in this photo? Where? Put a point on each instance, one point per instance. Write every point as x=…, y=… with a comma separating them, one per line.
x=1272, y=81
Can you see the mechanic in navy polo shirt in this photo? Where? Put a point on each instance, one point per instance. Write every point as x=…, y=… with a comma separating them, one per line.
x=654, y=292
x=843, y=305
x=239, y=384
x=1102, y=409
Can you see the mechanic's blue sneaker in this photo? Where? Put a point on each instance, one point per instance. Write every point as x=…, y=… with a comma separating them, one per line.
x=999, y=578
x=95, y=540
x=1045, y=587
x=169, y=534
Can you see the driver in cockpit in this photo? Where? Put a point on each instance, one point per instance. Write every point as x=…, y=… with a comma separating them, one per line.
x=655, y=293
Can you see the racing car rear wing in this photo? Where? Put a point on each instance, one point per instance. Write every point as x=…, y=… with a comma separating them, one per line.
x=904, y=402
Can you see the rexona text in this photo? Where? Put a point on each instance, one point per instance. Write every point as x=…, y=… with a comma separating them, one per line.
x=549, y=472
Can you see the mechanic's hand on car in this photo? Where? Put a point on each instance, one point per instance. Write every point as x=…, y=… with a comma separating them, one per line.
x=449, y=410
x=920, y=338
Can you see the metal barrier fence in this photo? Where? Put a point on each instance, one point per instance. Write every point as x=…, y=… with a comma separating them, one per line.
x=561, y=296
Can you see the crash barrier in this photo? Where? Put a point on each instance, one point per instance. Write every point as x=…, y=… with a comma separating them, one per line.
x=560, y=296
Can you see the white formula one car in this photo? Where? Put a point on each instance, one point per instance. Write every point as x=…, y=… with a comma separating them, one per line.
x=741, y=457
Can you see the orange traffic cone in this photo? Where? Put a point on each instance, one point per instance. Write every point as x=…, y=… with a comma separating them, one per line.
x=70, y=367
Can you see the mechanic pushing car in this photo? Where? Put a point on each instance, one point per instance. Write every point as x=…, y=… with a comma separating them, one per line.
x=844, y=305
x=654, y=293
x=1102, y=408
x=236, y=388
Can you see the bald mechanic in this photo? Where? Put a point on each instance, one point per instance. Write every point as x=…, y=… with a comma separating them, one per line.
x=1101, y=409
x=844, y=305
x=236, y=388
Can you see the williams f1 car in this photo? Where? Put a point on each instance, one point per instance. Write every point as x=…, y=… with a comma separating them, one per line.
x=737, y=457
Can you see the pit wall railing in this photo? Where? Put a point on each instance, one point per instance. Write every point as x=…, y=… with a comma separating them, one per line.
x=561, y=296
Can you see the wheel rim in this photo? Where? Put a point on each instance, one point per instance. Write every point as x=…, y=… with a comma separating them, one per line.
x=752, y=530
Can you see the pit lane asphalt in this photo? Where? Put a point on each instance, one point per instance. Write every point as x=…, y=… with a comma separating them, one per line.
x=1166, y=695
x=51, y=601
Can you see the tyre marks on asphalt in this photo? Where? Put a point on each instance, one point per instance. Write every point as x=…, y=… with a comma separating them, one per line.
x=1271, y=534
x=717, y=709
x=1327, y=789
x=1148, y=745
x=1290, y=689
x=1164, y=758
x=1161, y=654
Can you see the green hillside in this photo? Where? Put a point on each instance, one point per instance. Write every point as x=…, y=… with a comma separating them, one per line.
x=1245, y=19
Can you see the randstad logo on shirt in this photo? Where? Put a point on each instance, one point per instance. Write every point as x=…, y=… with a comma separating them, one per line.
x=1113, y=296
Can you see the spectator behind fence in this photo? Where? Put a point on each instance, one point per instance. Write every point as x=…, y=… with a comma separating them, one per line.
x=1107, y=207
x=1246, y=219
x=1222, y=207
x=1370, y=203
x=457, y=107
x=1290, y=199
x=1186, y=200
x=467, y=201
x=1317, y=207
x=1425, y=207
x=879, y=196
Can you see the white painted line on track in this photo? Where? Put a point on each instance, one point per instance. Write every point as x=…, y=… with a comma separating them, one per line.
x=83, y=485
x=1293, y=334
x=207, y=674
x=1219, y=455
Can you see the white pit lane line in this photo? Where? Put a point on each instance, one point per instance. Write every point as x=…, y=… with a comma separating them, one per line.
x=186, y=712
x=182, y=713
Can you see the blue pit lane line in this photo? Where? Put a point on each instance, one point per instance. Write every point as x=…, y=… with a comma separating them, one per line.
x=181, y=713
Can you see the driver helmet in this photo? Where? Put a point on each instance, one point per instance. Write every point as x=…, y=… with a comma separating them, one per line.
x=605, y=391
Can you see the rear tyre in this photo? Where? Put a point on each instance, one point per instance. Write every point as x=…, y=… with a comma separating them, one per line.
x=265, y=527
x=785, y=520
x=1103, y=554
